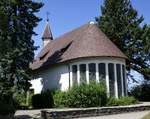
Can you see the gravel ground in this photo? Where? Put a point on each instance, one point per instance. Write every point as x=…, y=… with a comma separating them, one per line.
x=132, y=115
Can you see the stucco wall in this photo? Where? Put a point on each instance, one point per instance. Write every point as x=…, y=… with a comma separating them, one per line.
x=54, y=78
x=37, y=85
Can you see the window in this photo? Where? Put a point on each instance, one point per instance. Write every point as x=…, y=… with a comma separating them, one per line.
x=119, y=81
x=102, y=71
x=74, y=74
x=111, y=79
x=82, y=73
x=124, y=80
x=92, y=71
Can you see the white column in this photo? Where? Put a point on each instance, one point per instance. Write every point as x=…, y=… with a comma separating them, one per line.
x=97, y=73
x=122, y=81
x=107, y=80
x=116, y=84
x=87, y=73
x=71, y=79
x=78, y=74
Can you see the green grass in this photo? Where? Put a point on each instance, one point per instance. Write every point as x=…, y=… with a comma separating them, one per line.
x=147, y=116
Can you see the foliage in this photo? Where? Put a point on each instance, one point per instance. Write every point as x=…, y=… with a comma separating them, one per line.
x=121, y=101
x=20, y=100
x=43, y=100
x=23, y=100
x=89, y=95
x=141, y=92
x=60, y=99
x=122, y=24
x=6, y=108
x=17, y=21
x=6, y=104
x=84, y=95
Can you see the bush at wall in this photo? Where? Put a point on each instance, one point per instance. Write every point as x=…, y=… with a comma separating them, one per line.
x=6, y=109
x=21, y=100
x=141, y=92
x=121, y=101
x=61, y=99
x=84, y=95
x=6, y=104
x=43, y=100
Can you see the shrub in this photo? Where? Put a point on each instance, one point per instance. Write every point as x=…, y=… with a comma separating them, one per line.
x=141, y=92
x=43, y=100
x=60, y=99
x=84, y=95
x=121, y=101
x=21, y=100
x=7, y=104
x=6, y=109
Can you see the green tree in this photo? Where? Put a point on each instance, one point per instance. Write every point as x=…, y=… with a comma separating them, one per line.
x=122, y=24
x=17, y=21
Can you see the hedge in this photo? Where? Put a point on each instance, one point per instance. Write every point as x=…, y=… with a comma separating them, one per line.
x=43, y=100
x=84, y=95
x=141, y=92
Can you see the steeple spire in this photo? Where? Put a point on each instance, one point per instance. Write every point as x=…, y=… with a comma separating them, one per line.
x=47, y=34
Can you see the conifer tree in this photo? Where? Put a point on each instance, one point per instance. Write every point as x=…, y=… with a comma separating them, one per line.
x=17, y=21
x=122, y=24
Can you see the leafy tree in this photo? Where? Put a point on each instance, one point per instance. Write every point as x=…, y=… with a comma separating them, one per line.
x=17, y=21
x=122, y=24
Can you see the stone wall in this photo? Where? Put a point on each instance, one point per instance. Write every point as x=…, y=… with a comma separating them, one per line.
x=89, y=112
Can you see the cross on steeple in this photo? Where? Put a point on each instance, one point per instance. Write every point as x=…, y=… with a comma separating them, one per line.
x=47, y=15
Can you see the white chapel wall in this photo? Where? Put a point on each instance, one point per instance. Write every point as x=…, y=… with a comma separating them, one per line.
x=53, y=78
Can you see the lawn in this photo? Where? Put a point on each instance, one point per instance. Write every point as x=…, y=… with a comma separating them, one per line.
x=147, y=116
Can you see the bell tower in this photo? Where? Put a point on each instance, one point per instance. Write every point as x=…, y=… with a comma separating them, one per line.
x=47, y=34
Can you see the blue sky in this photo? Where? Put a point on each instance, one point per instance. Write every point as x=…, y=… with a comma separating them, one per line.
x=66, y=15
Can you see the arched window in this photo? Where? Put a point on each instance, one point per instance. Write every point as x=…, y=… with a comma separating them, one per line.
x=119, y=81
x=111, y=79
x=74, y=74
x=82, y=73
x=92, y=71
x=102, y=71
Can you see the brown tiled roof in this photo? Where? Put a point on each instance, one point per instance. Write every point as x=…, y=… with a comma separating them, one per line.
x=86, y=41
x=47, y=34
